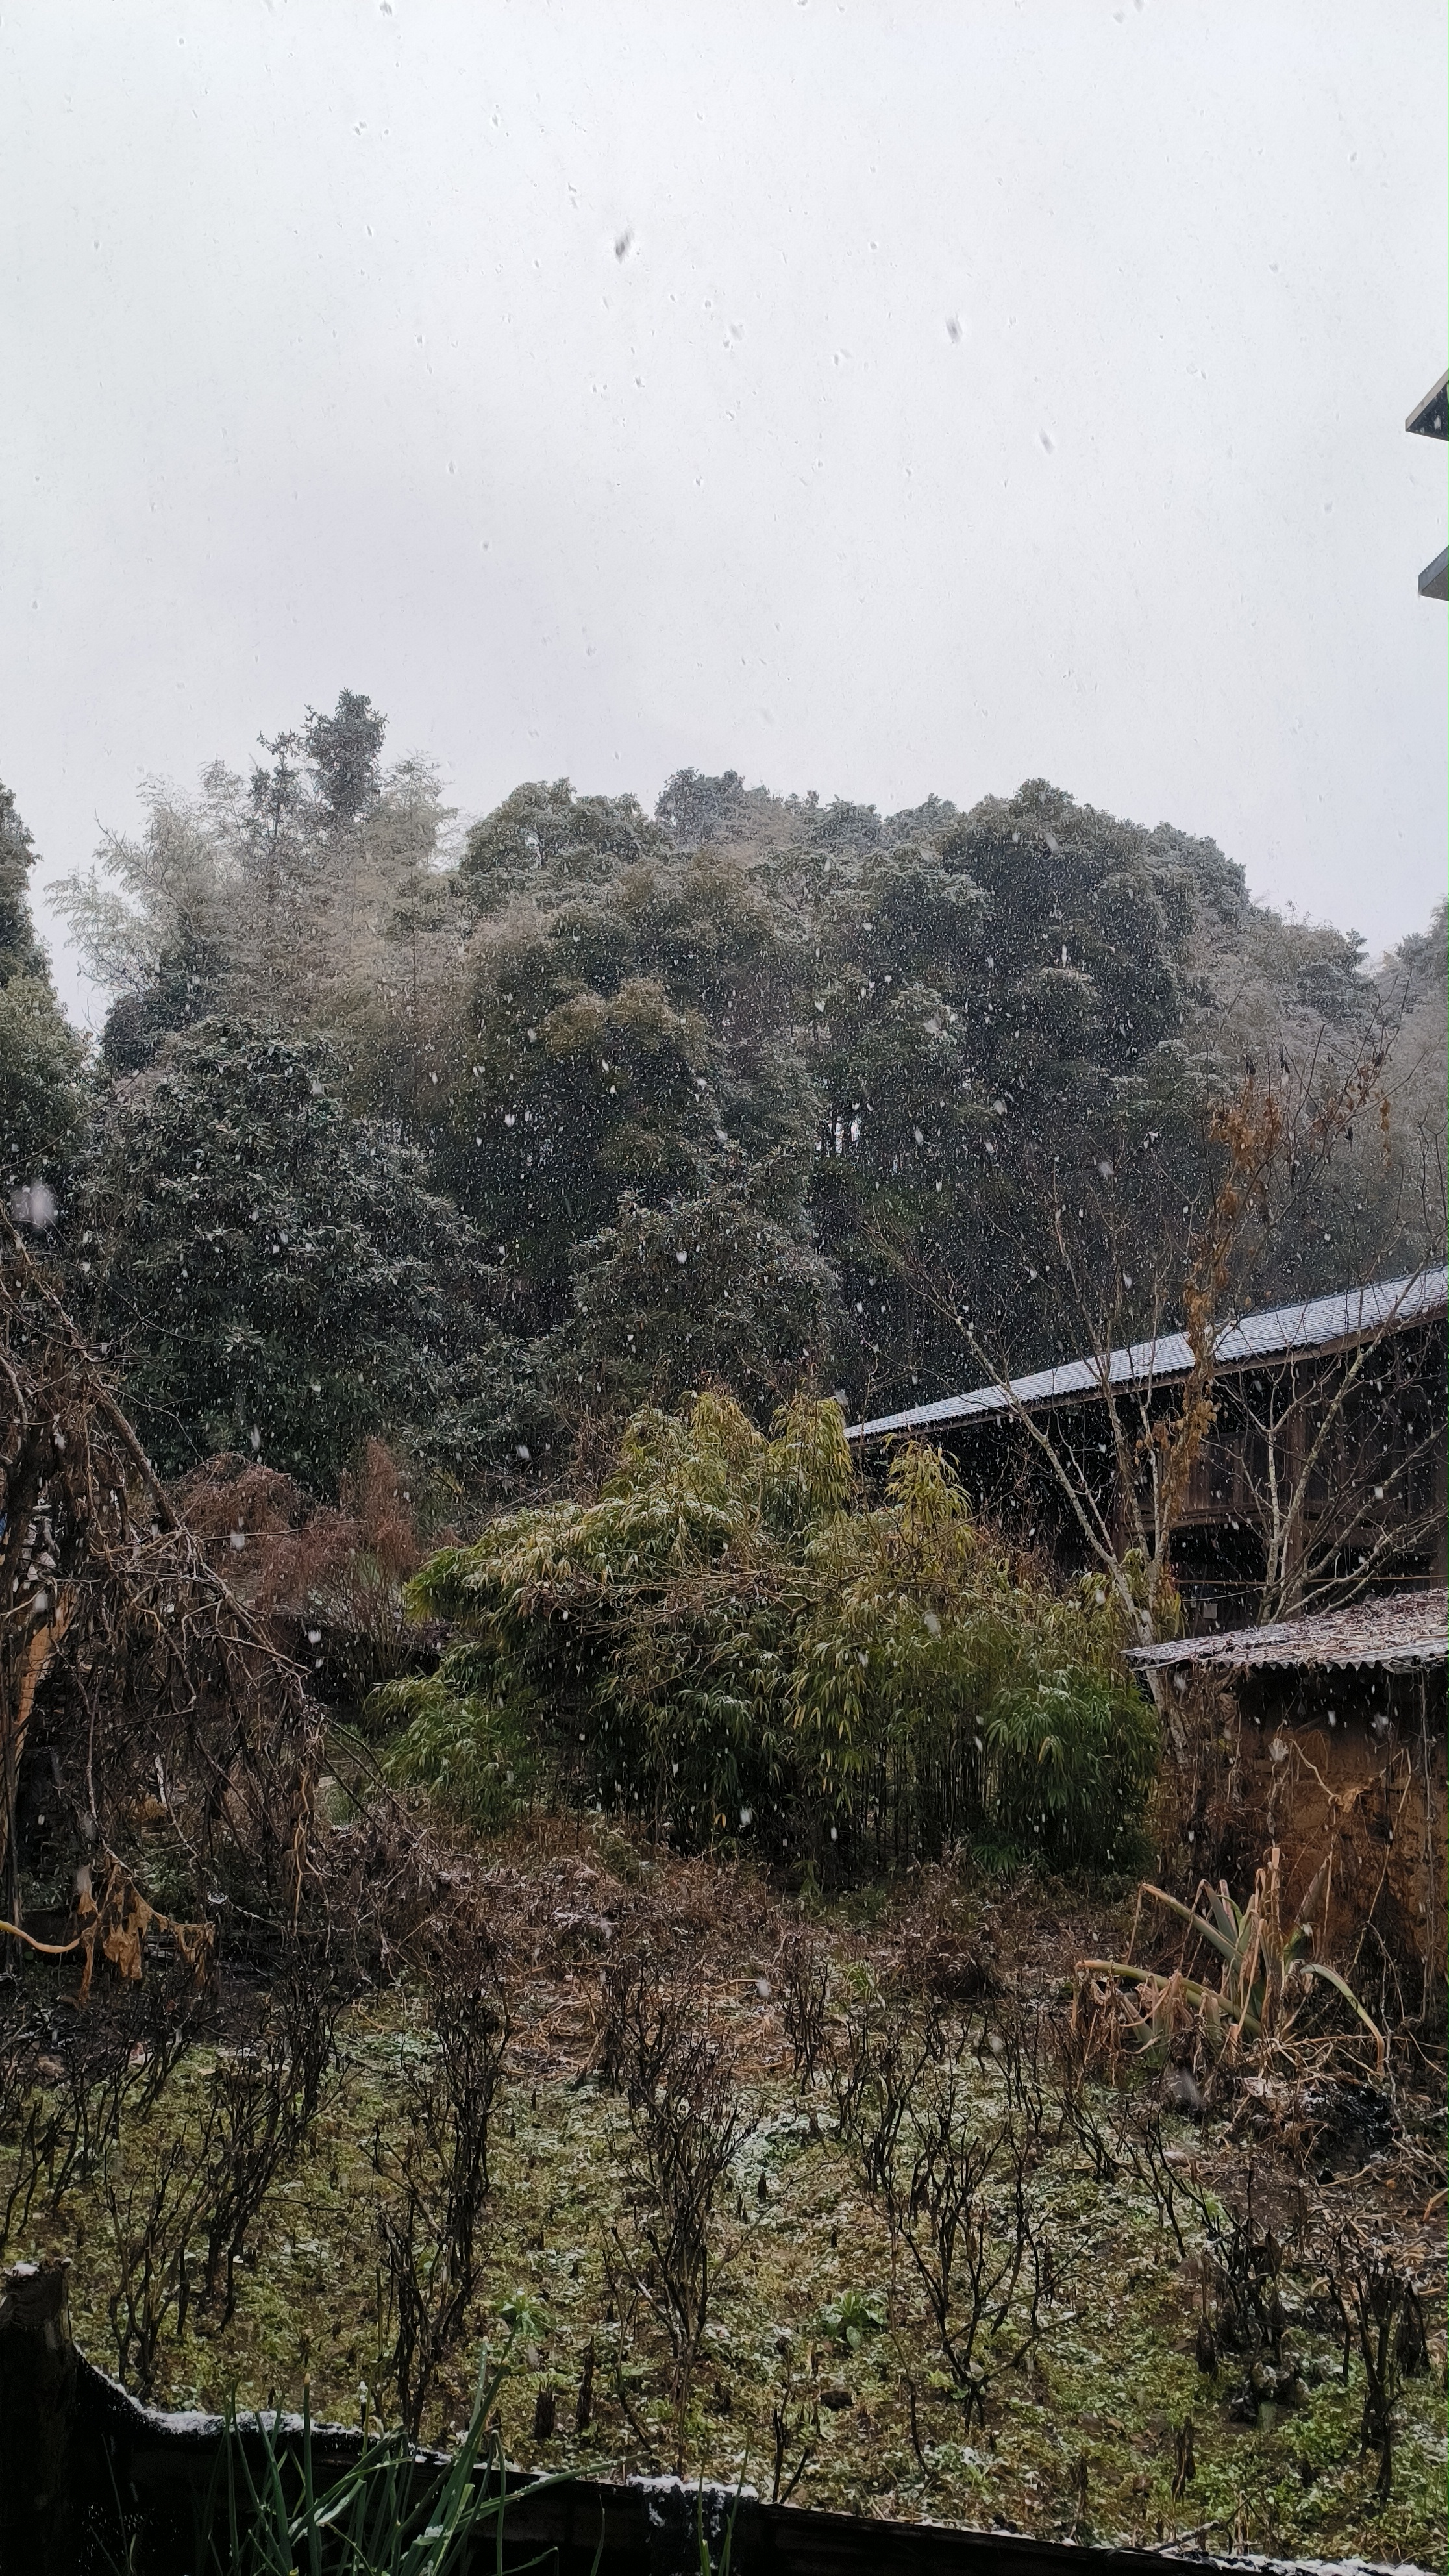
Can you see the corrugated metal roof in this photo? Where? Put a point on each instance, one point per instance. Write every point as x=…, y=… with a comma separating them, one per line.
x=1399, y=1631
x=1314, y=1324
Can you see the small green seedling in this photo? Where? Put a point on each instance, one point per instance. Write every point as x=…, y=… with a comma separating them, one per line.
x=853, y=2316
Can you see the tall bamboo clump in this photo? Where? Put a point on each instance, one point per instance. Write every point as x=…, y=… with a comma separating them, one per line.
x=180, y=1746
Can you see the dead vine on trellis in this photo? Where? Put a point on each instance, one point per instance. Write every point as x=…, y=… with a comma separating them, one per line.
x=178, y=1736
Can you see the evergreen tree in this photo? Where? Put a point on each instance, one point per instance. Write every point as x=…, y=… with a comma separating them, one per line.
x=546, y=842
x=343, y=752
x=711, y=1289
x=311, y=896
x=42, y=1101
x=913, y=1055
x=20, y=950
x=623, y=1041
x=271, y=1273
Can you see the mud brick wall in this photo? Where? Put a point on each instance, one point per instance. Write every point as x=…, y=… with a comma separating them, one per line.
x=1344, y=1765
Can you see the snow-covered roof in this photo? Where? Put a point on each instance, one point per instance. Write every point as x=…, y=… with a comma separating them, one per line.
x=1398, y=1630
x=1315, y=1324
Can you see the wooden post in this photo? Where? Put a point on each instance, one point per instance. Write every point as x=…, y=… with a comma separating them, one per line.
x=1297, y=1440
x=1441, y=1501
x=38, y=2535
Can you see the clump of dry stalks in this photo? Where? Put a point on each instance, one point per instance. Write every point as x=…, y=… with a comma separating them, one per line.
x=1258, y=2012
x=180, y=1745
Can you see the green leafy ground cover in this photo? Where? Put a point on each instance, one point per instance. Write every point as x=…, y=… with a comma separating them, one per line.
x=814, y=2341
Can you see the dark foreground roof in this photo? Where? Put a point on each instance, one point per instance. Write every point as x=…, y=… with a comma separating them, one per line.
x=1398, y=1632
x=1316, y=1324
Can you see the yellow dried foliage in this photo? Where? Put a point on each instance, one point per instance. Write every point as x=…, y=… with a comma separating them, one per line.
x=116, y=1926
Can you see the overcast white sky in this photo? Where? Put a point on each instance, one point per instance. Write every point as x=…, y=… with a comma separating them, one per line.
x=874, y=398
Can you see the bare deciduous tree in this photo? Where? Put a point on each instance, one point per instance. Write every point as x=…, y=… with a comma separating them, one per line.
x=1122, y=1445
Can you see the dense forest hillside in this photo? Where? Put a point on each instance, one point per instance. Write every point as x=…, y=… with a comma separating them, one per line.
x=479, y=1139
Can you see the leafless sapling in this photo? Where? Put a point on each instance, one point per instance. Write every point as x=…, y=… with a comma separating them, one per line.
x=150, y=2186
x=115, y=2062
x=1386, y=2312
x=876, y=2057
x=804, y=1972
x=950, y=2177
x=264, y=2101
x=687, y=2123
x=437, y=2175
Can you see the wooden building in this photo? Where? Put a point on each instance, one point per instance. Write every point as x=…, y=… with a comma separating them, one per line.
x=1322, y=1479
x=1324, y=1736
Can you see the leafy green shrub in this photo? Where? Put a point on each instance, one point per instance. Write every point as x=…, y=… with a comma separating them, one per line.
x=386, y=2515
x=730, y=1641
x=1072, y=1760
x=460, y=1743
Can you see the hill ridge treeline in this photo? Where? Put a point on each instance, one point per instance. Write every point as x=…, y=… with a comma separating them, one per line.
x=483, y=1138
